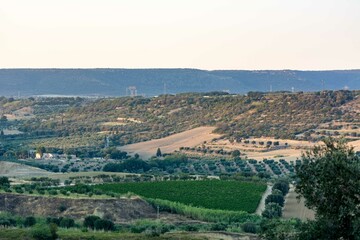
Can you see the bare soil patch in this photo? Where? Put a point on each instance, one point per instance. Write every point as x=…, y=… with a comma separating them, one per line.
x=295, y=208
x=355, y=144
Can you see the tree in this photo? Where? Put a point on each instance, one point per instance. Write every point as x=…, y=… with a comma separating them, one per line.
x=67, y=223
x=158, y=153
x=272, y=210
x=235, y=153
x=3, y=118
x=276, y=229
x=329, y=179
x=4, y=182
x=89, y=221
x=283, y=186
x=103, y=224
x=275, y=198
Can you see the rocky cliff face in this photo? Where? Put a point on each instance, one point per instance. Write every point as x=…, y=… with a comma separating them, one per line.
x=119, y=210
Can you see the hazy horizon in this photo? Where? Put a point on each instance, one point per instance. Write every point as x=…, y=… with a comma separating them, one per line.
x=201, y=34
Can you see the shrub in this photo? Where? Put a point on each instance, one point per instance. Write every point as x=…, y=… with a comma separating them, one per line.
x=249, y=227
x=283, y=186
x=275, y=198
x=67, y=223
x=7, y=221
x=62, y=208
x=44, y=232
x=89, y=221
x=218, y=227
x=102, y=224
x=4, y=182
x=29, y=221
x=52, y=192
x=272, y=210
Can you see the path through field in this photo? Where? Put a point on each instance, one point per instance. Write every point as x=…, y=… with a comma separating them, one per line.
x=169, y=144
x=261, y=206
x=295, y=209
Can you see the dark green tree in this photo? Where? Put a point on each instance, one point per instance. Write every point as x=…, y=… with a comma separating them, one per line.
x=235, y=153
x=103, y=224
x=67, y=223
x=4, y=182
x=275, y=198
x=29, y=221
x=329, y=179
x=158, y=153
x=89, y=221
x=272, y=210
x=283, y=186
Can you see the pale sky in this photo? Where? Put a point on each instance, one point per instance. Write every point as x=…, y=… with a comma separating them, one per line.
x=205, y=34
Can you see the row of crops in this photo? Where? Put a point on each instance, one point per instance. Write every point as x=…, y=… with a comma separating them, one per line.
x=218, y=167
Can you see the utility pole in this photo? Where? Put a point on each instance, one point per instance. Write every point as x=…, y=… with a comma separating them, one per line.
x=158, y=212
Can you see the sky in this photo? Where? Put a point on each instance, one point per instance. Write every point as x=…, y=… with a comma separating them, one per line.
x=204, y=34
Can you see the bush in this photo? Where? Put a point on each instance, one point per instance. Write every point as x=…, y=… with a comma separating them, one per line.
x=283, y=186
x=52, y=192
x=29, y=221
x=89, y=221
x=249, y=227
x=7, y=222
x=275, y=198
x=102, y=224
x=62, y=208
x=272, y=210
x=44, y=232
x=67, y=223
x=218, y=227
x=4, y=182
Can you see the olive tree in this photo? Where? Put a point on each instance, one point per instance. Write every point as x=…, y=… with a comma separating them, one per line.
x=329, y=179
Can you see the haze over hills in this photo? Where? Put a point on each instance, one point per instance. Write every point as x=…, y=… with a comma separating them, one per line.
x=151, y=82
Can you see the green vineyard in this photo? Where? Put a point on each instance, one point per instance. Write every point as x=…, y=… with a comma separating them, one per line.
x=222, y=195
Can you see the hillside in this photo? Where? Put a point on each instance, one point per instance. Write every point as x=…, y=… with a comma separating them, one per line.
x=269, y=120
x=150, y=82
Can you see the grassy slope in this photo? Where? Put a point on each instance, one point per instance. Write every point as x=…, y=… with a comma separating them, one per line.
x=224, y=195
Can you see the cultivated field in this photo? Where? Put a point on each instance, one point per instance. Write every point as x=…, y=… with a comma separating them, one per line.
x=287, y=149
x=10, y=169
x=171, y=143
x=356, y=145
x=223, y=195
x=65, y=176
x=296, y=209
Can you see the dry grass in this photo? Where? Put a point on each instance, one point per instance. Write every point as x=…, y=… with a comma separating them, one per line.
x=10, y=169
x=171, y=143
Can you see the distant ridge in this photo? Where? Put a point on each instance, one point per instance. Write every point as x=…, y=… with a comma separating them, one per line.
x=151, y=82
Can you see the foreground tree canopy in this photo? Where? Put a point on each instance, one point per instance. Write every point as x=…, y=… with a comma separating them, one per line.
x=329, y=179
